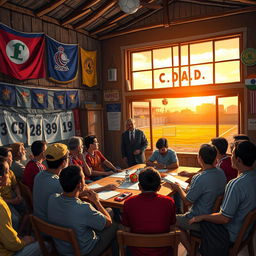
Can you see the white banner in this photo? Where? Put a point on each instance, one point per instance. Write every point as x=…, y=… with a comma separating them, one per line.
x=67, y=125
x=52, y=128
x=16, y=127
x=35, y=128
x=3, y=130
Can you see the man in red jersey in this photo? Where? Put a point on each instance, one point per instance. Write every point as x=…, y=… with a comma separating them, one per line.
x=149, y=212
x=35, y=165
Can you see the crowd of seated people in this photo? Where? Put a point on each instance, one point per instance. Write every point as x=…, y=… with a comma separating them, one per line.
x=59, y=177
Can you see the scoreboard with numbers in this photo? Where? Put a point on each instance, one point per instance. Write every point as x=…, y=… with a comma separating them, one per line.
x=15, y=127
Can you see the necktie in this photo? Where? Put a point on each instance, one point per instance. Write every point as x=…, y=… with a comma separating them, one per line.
x=132, y=137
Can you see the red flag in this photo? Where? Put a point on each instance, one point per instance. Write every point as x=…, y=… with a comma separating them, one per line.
x=21, y=54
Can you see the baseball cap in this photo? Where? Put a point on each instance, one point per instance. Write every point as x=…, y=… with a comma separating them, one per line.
x=56, y=151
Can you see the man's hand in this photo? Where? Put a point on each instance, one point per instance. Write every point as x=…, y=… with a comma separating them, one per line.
x=175, y=186
x=195, y=219
x=108, y=173
x=110, y=187
x=184, y=174
x=92, y=196
x=137, y=152
x=28, y=239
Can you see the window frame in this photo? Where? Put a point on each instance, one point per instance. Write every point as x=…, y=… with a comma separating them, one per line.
x=129, y=52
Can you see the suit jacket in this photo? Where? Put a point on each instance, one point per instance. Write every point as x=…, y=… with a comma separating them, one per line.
x=128, y=147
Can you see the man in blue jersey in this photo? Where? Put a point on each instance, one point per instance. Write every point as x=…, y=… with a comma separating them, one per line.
x=239, y=197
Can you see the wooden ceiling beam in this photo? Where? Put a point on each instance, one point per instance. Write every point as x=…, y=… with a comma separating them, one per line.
x=100, y=29
x=80, y=11
x=165, y=13
x=213, y=3
x=251, y=2
x=181, y=21
x=94, y=16
x=2, y=2
x=49, y=7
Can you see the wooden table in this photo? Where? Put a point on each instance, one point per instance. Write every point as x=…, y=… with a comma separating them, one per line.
x=165, y=188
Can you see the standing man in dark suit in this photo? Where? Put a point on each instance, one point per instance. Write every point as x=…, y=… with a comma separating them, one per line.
x=134, y=144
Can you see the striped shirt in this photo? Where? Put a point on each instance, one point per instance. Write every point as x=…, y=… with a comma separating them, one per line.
x=239, y=200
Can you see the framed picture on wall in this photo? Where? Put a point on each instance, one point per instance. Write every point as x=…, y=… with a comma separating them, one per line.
x=112, y=74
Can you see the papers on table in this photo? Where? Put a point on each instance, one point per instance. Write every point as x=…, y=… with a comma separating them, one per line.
x=94, y=186
x=122, y=174
x=104, y=195
x=130, y=185
x=171, y=179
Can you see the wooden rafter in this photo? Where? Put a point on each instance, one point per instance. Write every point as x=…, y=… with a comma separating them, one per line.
x=214, y=3
x=94, y=16
x=100, y=29
x=79, y=12
x=251, y=2
x=49, y=7
x=166, y=13
x=2, y=2
x=181, y=21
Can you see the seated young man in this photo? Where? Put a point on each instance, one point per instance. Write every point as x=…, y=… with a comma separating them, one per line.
x=19, y=155
x=224, y=160
x=47, y=182
x=35, y=165
x=95, y=160
x=10, y=242
x=239, y=198
x=163, y=157
x=149, y=212
x=92, y=224
x=11, y=192
x=204, y=188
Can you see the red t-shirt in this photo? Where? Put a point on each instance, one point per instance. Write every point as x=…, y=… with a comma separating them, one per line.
x=32, y=168
x=76, y=161
x=149, y=213
x=95, y=161
x=226, y=166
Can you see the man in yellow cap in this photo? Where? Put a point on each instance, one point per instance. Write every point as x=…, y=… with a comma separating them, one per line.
x=47, y=182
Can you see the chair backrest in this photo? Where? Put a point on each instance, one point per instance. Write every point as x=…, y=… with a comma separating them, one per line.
x=249, y=222
x=217, y=203
x=65, y=234
x=26, y=194
x=170, y=239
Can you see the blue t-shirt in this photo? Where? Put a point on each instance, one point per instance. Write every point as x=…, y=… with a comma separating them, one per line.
x=239, y=200
x=204, y=188
x=81, y=216
x=169, y=158
x=45, y=184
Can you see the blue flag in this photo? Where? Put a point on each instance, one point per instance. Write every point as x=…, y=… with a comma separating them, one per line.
x=23, y=97
x=72, y=99
x=39, y=98
x=7, y=95
x=59, y=100
x=62, y=61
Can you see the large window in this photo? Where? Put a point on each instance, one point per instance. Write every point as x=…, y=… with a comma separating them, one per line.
x=187, y=122
x=210, y=62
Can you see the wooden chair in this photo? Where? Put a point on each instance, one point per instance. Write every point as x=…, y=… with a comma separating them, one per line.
x=148, y=240
x=65, y=234
x=239, y=244
x=26, y=194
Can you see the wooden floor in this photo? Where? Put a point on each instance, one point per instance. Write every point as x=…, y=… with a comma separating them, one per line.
x=244, y=252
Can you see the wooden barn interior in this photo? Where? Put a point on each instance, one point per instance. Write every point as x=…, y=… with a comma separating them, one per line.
x=101, y=26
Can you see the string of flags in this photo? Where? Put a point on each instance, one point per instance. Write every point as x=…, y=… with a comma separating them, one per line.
x=18, y=96
x=22, y=56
